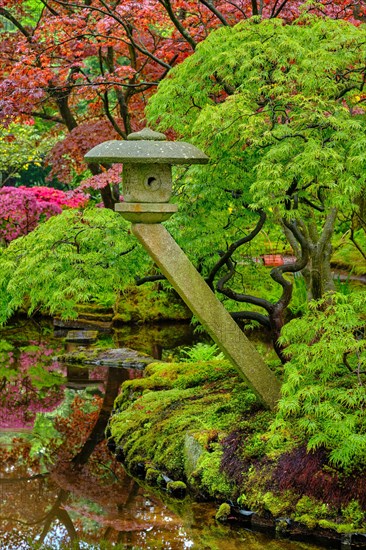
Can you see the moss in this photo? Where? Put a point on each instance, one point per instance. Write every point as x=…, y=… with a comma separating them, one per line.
x=277, y=505
x=308, y=520
x=93, y=309
x=354, y=513
x=309, y=505
x=211, y=480
x=155, y=414
x=282, y=526
x=176, y=488
x=307, y=511
x=223, y=512
x=77, y=357
x=314, y=513
x=147, y=304
x=152, y=475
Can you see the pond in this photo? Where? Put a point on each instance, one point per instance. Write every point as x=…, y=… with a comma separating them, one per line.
x=60, y=485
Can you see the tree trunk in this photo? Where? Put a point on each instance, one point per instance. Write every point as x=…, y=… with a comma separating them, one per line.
x=317, y=273
x=320, y=280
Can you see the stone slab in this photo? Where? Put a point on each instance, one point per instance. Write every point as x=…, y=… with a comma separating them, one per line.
x=81, y=336
x=139, y=212
x=118, y=357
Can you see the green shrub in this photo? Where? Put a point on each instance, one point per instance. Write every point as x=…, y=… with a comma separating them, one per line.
x=324, y=393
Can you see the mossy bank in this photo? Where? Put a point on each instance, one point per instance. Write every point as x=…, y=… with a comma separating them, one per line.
x=197, y=422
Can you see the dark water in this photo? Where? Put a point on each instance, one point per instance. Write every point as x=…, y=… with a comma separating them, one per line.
x=59, y=485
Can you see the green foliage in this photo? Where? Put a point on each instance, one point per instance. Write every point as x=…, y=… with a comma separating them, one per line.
x=353, y=513
x=5, y=346
x=299, y=302
x=279, y=109
x=33, y=10
x=42, y=378
x=347, y=256
x=76, y=257
x=20, y=147
x=324, y=391
x=6, y=372
x=146, y=304
x=201, y=352
x=43, y=437
x=289, y=115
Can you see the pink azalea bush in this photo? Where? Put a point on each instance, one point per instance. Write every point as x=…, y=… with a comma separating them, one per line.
x=23, y=208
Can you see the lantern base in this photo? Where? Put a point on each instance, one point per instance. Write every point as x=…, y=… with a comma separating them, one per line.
x=145, y=212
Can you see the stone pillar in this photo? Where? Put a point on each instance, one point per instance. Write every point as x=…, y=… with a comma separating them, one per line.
x=216, y=320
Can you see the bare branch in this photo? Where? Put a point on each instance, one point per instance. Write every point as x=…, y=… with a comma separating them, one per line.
x=234, y=246
x=149, y=279
x=238, y=8
x=252, y=316
x=45, y=116
x=7, y=15
x=237, y=296
x=353, y=240
x=254, y=7
x=113, y=14
x=178, y=25
x=280, y=8
x=51, y=10
x=328, y=228
x=215, y=11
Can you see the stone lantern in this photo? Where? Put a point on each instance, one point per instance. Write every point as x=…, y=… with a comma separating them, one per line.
x=147, y=159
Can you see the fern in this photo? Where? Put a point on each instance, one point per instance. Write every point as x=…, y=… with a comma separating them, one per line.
x=202, y=352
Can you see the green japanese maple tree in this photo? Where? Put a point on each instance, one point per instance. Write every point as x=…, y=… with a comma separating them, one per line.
x=280, y=111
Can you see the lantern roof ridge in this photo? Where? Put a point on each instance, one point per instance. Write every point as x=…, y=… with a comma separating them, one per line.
x=146, y=147
x=146, y=133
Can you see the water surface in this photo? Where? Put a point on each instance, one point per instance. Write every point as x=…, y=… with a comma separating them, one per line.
x=59, y=483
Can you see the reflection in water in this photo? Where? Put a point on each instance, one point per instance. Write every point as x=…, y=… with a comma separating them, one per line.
x=59, y=483
x=155, y=340
x=30, y=383
x=71, y=507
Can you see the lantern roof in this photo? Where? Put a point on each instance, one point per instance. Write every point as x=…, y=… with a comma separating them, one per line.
x=146, y=147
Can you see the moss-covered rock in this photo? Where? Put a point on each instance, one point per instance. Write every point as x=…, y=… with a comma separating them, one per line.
x=177, y=416
x=95, y=356
x=223, y=512
x=152, y=475
x=197, y=422
x=176, y=488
